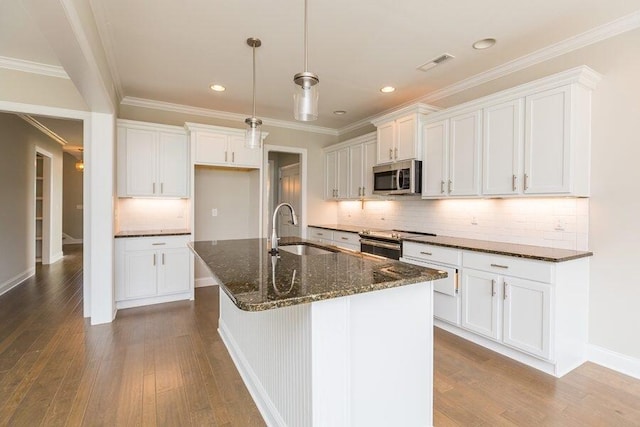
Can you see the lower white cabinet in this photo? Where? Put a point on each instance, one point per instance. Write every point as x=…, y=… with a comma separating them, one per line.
x=446, y=292
x=533, y=311
x=342, y=239
x=151, y=270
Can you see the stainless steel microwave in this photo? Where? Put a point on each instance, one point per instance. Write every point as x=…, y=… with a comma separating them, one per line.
x=398, y=178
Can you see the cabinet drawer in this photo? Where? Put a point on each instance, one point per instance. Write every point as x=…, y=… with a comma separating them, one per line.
x=509, y=266
x=155, y=243
x=320, y=233
x=344, y=238
x=431, y=253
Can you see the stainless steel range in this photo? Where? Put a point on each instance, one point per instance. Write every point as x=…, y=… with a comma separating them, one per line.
x=386, y=243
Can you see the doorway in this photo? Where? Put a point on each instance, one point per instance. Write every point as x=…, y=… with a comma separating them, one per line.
x=285, y=182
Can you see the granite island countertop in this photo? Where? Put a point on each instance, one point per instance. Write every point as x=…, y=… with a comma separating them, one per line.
x=256, y=281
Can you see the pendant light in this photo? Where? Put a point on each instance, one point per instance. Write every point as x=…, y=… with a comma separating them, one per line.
x=253, y=134
x=305, y=96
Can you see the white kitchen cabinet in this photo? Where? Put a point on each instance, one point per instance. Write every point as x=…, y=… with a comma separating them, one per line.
x=398, y=140
x=547, y=142
x=527, y=315
x=221, y=146
x=152, y=160
x=446, y=295
x=452, y=156
x=502, y=148
x=337, y=174
x=362, y=158
x=151, y=270
x=342, y=239
x=480, y=302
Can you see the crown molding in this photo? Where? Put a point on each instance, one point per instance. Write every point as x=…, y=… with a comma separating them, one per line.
x=33, y=67
x=589, y=37
x=416, y=108
x=42, y=128
x=223, y=115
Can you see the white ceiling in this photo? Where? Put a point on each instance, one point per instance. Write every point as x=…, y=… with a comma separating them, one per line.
x=172, y=51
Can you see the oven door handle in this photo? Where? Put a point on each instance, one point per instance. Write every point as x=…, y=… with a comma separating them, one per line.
x=378, y=244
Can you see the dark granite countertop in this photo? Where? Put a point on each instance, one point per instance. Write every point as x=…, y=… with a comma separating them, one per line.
x=151, y=233
x=245, y=269
x=539, y=253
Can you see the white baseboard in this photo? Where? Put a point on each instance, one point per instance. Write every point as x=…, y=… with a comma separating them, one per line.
x=16, y=280
x=201, y=282
x=610, y=359
x=69, y=240
x=56, y=257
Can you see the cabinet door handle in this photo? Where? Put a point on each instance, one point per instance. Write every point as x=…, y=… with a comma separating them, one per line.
x=395, y=150
x=233, y=157
x=163, y=258
x=441, y=187
x=426, y=253
x=364, y=193
x=499, y=266
x=504, y=290
x=225, y=156
x=159, y=244
x=493, y=288
x=154, y=259
x=390, y=154
x=514, y=180
x=154, y=188
x=449, y=186
x=162, y=188
x=526, y=181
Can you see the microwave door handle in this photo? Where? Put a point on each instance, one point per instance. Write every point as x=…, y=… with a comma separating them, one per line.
x=398, y=173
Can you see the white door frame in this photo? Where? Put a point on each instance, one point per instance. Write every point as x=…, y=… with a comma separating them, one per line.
x=300, y=211
x=303, y=185
x=98, y=196
x=47, y=206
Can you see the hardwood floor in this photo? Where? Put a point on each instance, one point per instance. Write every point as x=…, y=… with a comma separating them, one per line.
x=166, y=365
x=160, y=365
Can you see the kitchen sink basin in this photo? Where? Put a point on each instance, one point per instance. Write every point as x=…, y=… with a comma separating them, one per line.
x=304, y=249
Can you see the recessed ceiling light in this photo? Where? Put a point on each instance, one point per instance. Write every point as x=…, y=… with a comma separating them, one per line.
x=387, y=89
x=339, y=112
x=484, y=43
x=218, y=88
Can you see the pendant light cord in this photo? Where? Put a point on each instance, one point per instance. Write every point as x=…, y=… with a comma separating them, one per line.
x=305, y=36
x=254, y=80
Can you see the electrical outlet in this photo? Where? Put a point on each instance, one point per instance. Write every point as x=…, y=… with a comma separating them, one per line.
x=559, y=225
x=474, y=220
x=214, y=212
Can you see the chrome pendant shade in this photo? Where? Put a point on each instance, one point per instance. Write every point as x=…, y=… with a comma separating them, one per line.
x=253, y=133
x=305, y=96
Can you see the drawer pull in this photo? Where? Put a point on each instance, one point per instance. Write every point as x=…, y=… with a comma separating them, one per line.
x=499, y=266
x=426, y=253
x=320, y=234
x=159, y=244
x=344, y=238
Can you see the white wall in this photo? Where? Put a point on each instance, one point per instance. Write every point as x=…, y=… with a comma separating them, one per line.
x=18, y=141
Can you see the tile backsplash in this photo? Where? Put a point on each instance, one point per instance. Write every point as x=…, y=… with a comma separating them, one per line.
x=552, y=222
x=152, y=214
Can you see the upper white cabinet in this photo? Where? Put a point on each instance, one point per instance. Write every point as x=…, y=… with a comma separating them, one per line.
x=398, y=134
x=152, y=160
x=349, y=168
x=337, y=174
x=452, y=156
x=534, y=139
x=220, y=146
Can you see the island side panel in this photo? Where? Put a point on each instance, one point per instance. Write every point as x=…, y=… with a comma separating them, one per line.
x=373, y=358
x=272, y=351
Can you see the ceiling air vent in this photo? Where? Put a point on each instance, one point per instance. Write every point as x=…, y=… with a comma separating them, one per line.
x=435, y=62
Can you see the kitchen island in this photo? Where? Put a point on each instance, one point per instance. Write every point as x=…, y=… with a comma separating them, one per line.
x=333, y=339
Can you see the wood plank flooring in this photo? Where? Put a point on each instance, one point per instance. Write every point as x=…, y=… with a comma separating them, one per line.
x=165, y=365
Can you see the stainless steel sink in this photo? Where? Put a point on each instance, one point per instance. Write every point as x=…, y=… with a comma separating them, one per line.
x=304, y=249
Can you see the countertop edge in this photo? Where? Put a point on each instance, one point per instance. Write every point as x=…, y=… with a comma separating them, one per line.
x=127, y=234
